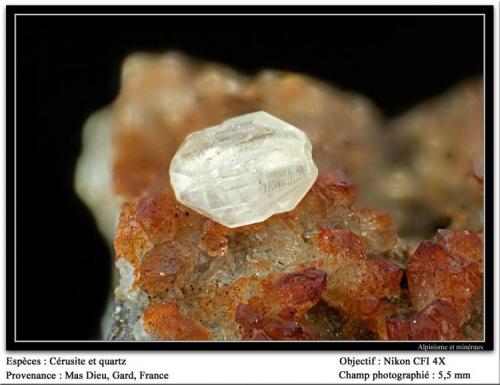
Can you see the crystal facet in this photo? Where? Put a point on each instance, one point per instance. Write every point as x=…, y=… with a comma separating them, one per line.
x=244, y=170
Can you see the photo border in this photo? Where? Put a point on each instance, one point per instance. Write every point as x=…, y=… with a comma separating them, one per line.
x=11, y=145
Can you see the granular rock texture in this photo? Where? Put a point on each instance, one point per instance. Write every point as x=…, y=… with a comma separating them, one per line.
x=387, y=243
x=281, y=278
x=204, y=280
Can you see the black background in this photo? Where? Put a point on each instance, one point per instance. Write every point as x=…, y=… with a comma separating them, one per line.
x=68, y=67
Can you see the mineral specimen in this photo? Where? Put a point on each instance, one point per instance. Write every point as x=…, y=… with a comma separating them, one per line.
x=205, y=280
x=326, y=269
x=424, y=168
x=282, y=278
x=245, y=170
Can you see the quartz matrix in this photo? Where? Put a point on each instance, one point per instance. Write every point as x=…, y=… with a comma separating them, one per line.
x=244, y=170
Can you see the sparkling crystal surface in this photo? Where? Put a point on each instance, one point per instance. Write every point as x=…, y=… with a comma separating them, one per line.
x=244, y=170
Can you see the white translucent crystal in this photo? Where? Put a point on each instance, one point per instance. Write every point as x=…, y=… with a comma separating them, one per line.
x=244, y=170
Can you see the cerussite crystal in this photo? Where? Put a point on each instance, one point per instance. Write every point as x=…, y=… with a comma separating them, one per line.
x=244, y=170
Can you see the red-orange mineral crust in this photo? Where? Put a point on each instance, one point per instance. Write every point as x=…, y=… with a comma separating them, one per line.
x=438, y=321
x=444, y=282
x=166, y=322
x=165, y=268
x=264, y=281
x=358, y=285
x=279, y=311
x=464, y=244
x=260, y=281
x=159, y=217
x=433, y=273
